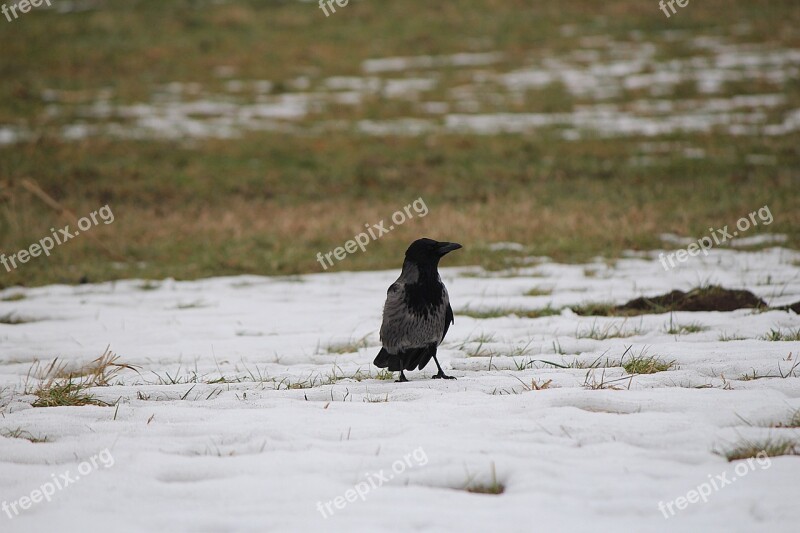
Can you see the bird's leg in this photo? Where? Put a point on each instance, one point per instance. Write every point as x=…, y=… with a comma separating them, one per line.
x=441, y=374
x=402, y=376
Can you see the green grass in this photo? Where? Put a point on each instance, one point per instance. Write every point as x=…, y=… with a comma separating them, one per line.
x=350, y=346
x=497, y=312
x=611, y=330
x=582, y=364
x=19, y=433
x=196, y=304
x=160, y=190
x=770, y=447
x=792, y=422
x=257, y=375
x=64, y=393
x=778, y=334
x=592, y=382
x=595, y=309
x=684, y=329
x=13, y=319
x=293, y=384
x=727, y=337
x=59, y=386
x=493, y=487
x=539, y=291
x=474, y=347
x=376, y=399
x=520, y=350
x=643, y=364
x=129, y=46
x=384, y=375
x=787, y=371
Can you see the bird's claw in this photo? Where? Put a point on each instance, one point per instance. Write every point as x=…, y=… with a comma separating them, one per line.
x=442, y=375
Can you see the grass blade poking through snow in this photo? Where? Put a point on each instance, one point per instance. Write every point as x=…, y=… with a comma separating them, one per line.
x=59, y=386
x=769, y=447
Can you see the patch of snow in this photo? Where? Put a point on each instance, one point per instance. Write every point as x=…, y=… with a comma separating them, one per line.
x=514, y=246
x=239, y=419
x=395, y=64
x=758, y=240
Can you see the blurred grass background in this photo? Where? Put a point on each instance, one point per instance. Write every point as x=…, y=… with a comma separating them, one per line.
x=267, y=202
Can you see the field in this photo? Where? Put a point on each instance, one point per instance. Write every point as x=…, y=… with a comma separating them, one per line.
x=245, y=137
x=189, y=361
x=225, y=411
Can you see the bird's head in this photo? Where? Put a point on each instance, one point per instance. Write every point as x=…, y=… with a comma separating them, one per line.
x=428, y=251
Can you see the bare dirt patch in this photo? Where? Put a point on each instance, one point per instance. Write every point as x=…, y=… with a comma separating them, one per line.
x=712, y=298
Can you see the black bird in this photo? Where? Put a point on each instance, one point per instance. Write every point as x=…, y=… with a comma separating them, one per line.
x=417, y=313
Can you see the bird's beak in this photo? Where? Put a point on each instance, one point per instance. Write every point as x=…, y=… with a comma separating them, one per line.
x=447, y=247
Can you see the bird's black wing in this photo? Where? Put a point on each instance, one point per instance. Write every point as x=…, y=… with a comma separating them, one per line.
x=448, y=319
x=418, y=357
x=408, y=359
x=406, y=325
x=382, y=359
x=409, y=336
x=392, y=331
x=395, y=318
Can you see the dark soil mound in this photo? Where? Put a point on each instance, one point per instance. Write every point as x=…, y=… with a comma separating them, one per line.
x=713, y=298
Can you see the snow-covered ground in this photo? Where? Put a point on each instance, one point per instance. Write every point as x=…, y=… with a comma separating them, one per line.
x=243, y=416
x=485, y=99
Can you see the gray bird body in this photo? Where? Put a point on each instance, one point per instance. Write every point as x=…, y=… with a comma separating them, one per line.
x=402, y=328
x=417, y=312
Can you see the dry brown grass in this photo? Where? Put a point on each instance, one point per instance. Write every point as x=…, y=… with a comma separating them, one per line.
x=266, y=203
x=59, y=384
x=495, y=220
x=267, y=237
x=97, y=373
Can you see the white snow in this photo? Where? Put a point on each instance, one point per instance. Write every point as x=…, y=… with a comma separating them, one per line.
x=392, y=64
x=193, y=452
x=757, y=240
x=621, y=88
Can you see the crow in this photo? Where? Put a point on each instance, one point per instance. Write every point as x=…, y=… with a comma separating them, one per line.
x=417, y=313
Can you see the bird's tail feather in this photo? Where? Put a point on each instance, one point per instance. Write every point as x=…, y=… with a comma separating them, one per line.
x=426, y=355
x=382, y=359
x=409, y=359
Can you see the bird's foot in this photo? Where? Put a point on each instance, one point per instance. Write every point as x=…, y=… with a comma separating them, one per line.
x=442, y=375
x=402, y=378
